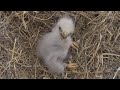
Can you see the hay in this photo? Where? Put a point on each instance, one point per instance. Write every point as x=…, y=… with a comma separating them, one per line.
x=98, y=35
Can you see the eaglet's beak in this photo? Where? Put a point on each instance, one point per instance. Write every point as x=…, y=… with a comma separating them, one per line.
x=63, y=35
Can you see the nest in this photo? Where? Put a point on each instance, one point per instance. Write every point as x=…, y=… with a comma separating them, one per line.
x=97, y=33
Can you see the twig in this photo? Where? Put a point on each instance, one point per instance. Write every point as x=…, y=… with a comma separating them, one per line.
x=116, y=73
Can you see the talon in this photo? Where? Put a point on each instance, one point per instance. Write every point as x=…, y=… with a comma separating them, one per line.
x=74, y=71
x=75, y=45
x=72, y=66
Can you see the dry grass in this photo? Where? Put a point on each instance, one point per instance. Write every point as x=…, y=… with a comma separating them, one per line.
x=98, y=34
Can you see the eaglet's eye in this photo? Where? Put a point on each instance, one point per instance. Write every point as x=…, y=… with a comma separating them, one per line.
x=60, y=29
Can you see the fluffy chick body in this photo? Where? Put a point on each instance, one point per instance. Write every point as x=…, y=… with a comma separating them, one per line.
x=53, y=49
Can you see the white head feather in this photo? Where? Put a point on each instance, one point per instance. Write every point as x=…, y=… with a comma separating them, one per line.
x=66, y=24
